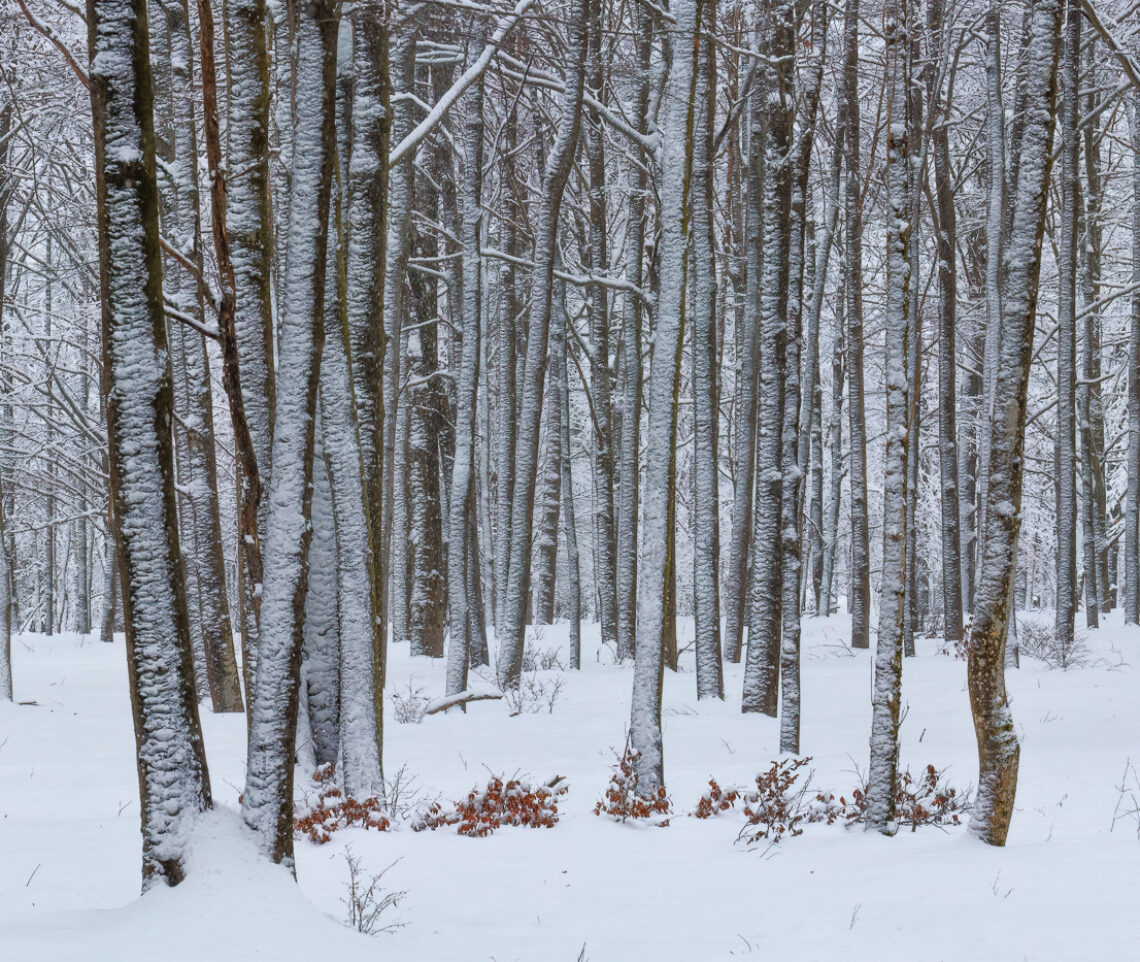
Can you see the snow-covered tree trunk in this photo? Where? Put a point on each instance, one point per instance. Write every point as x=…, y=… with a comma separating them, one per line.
x=654, y=572
x=738, y=579
x=627, y=505
x=836, y=471
x=569, y=531
x=174, y=784
x=201, y=529
x=791, y=495
x=998, y=748
x=1065, y=442
x=361, y=360
x=250, y=238
x=544, y=545
x=267, y=805
x=761, y=674
x=1132, y=497
x=7, y=185
x=320, y=657
x=946, y=241
x=357, y=599
x=706, y=386
x=425, y=409
x=605, y=545
x=859, y=593
x=462, y=497
x=558, y=166
x=887, y=690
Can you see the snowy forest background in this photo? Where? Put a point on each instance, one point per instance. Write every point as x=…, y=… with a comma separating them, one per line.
x=716, y=336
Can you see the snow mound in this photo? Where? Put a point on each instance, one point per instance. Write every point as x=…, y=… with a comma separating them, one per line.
x=233, y=904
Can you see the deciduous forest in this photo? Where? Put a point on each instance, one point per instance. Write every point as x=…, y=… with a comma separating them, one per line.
x=695, y=424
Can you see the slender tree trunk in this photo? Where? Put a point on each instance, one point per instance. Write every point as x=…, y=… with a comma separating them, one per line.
x=250, y=240
x=998, y=749
x=1065, y=446
x=706, y=387
x=859, y=597
x=887, y=691
x=1132, y=499
x=654, y=571
x=462, y=495
x=558, y=166
x=946, y=240
x=761, y=677
x=267, y=805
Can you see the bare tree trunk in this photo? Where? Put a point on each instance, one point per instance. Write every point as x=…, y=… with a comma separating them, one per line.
x=558, y=166
x=887, y=691
x=267, y=805
x=1132, y=498
x=174, y=784
x=1065, y=447
x=761, y=677
x=706, y=386
x=998, y=749
x=859, y=598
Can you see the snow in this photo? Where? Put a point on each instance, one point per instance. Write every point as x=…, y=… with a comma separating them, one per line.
x=1063, y=888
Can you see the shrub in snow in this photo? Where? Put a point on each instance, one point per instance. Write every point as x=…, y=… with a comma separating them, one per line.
x=534, y=694
x=715, y=801
x=622, y=800
x=408, y=707
x=926, y=800
x=1038, y=640
x=332, y=811
x=513, y=802
x=777, y=807
x=367, y=900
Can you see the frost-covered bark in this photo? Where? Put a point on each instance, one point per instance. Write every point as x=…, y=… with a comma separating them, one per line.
x=761, y=673
x=830, y=539
x=1132, y=497
x=706, y=387
x=629, y=456
x=544, y=545
x=369, y=341
x=425, y=409
x=201, y=529
x=1065, y=448
x=946, y=239
x=320, y=657
x=998, y=749
x=887, y=690
x=250, y=242
x=462, y=497
x=558, y=165
x=358, y=604
x=737, y=582
x=654, y=572
x=605, y=545
x=859, y=593
x=791, y=494
x=569, y=530
x=361, y=360
x=267, y=805
x=174, y=784
x=7, y=185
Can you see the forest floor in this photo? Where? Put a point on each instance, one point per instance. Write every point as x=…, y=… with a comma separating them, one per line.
x=1065, y=887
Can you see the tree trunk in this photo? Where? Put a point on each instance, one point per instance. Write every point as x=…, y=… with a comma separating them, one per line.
x=998, y=749
x=267, y=805
x=887, y=690
x=174, y=784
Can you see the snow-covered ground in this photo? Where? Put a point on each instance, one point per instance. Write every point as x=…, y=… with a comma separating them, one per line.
x=1065, y=887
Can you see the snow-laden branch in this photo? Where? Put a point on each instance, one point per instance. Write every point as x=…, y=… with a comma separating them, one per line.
x=470, y=75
